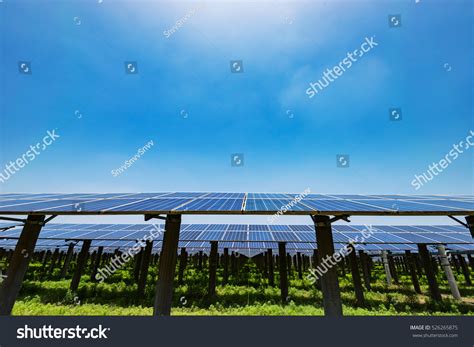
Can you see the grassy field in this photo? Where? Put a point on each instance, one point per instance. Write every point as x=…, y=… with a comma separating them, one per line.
x=247, y=293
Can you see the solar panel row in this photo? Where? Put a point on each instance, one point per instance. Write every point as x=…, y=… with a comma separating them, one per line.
x=221, y=203
x=449, y=234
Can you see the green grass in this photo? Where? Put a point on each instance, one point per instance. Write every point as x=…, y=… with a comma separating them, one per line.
x=246, y=294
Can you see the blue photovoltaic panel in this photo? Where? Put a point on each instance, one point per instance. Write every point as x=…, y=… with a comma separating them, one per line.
x=260, y=236
x=196, y=227
x=215, y=202
x=285, y=236
x=218, y=227
x=302, y=228
x=235, y=236
x=268, y=196
x=226, y=195
x=258, y=227
x=338, y=237
x=238, y=227
x=190, y=195
x=205, y=204
x=413, y=238
x=211, y=236
x=238, y=232
x=279, y=227
x=273, y=205
x=307, y=237
x=190, y=235
x=162, y=204
x=341, y=205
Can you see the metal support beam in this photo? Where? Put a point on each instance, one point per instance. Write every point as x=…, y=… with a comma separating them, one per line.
x=429, y=272
x=212, y=269
x=329, y=281
x=145, y=263
x=283, y=272
x=81, y=262
x=18, y=266
x=167, y=267
x=449, y=273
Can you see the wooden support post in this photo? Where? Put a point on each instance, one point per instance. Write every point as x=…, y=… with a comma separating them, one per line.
x=470, y=224
x=329, y=281
x=465, y=270
x=18, y=265
x=271, y=274
x=356, y=281
x=471, y=261
x=393, y=269
x=288, y=262
x=145, y=263
x=81, y=262
x=200, y=260
x=164, y=286
x=412, y=270
x=54, y=259
x=67, y=261
x=429, y=272
x=386, y=267
x=233, y=265
x=137, y=265
x=226, y=266
x=300, y=265
x=92, y=261
x=95, y=266
x=365, y=269
x=449, y=273
x=212, y=269
x=315, y=266
x=183, y=259
x=283, y=272
x=45, y=261
x=435, y=264
x=265, y=264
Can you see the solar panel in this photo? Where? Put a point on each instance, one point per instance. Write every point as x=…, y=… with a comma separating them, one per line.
x=255, y=233
x=221, y=203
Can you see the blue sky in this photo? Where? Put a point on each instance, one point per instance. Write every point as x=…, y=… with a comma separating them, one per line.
x=198, y=113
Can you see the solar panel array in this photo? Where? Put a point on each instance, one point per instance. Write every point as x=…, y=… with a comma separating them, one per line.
x=242, y=247
x=235, y=203
x=255, y=233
